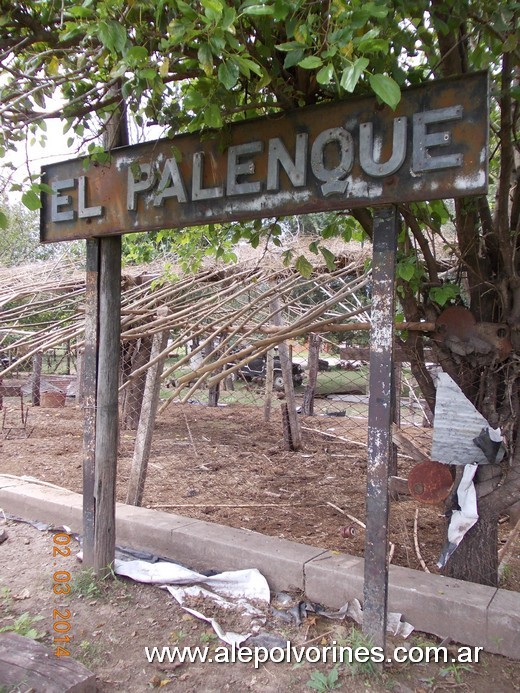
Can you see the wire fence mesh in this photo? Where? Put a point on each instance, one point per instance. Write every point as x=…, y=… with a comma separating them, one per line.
x=340, y=390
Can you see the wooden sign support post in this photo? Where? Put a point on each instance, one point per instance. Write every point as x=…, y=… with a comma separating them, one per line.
x=380, y=418
x=89, y=390
x=100, y=387
x=107, y=411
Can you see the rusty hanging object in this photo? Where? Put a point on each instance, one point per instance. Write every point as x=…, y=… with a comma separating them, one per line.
x=458, y=330
x=430, y=482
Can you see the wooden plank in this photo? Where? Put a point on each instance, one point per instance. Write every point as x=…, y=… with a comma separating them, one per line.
x=107, y=412
x=408, y=447
x=88, y=389
x=122, y=194
x=26, y=665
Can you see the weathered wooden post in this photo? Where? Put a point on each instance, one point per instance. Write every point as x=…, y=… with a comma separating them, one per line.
x=145, y=428
x=269, y=377
x=88, y=389
x=313, y=365
x=36, y=378
x=107, y=409
x=101, y=395
x=380, y=418
x=294, y=432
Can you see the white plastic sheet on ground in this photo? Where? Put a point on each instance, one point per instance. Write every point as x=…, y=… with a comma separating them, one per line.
x=231, y=590
x=242, y=586
x=461, y=520
x=354, y=611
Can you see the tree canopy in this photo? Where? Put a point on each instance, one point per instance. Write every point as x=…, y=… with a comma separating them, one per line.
x=189, y=66
x=186, y=66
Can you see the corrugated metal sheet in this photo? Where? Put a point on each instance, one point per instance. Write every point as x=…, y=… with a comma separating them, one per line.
x=455, y=425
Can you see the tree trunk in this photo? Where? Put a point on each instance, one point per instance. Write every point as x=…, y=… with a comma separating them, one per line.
x=476, y=557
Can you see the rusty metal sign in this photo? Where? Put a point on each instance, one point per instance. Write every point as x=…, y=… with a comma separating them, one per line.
x=347, y=154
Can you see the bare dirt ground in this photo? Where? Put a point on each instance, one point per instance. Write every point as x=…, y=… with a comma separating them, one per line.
x=223, y=465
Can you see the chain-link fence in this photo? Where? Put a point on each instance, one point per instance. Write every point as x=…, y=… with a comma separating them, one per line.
x=340, y=388
x=330, y=380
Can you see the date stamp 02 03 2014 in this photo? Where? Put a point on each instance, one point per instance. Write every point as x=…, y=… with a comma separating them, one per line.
x=61, y=587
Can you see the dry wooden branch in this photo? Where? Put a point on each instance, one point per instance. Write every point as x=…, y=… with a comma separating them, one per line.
x=189, y=433
x=227, y=305
x=350, y=517
x=409, y=448
x=235, y=505
x=416, y=542
x=331, y=435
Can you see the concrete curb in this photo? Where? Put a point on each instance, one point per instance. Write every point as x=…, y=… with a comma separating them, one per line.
x=466, y=612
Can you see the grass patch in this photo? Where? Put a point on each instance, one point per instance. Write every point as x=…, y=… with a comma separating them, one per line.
x=24, y=625
x=86, y=584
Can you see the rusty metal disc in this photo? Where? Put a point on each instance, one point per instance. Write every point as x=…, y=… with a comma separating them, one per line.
x=430, y=482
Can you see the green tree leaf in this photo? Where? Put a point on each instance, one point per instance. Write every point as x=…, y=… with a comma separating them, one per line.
x=386, y=88
x=228, y=73
x=205, y=57
x=212, y=116
x=303, y=266
x=229, y=16
x=326, y=74
x=246, y=65
x=289, y=46
x=312, y=62
x=329, y=257
x=444, y=294
x=258, y=10
x=406, y=270
x=213, y=9
x=112, y=35
x=293, y=58
x=31, y=200
x=136, y=55
x=352, y=73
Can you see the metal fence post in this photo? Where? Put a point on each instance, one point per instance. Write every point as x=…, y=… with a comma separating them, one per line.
x=380, y=417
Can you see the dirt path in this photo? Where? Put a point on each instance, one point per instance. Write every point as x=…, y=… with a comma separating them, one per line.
x=224, y=465
x=111, y=624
